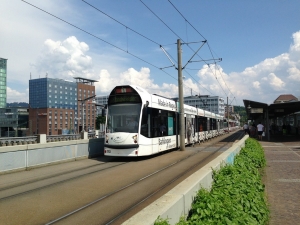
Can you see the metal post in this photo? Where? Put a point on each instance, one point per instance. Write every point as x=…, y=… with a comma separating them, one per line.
x=82, y=104
x=181, y=107
x=267, y=130
x=227, y=115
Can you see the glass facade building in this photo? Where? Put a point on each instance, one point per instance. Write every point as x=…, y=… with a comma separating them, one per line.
x=58, y=106
x=52, y=93
x=3, y=76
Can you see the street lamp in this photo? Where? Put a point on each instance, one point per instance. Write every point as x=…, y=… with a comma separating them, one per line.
x=82, y=104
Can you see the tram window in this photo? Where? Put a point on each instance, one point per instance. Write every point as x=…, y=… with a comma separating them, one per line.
x=162, y=123
x=202, y=124
x=120, y=115
x=145, y=125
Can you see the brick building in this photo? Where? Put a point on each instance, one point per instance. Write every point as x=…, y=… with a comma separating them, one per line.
x=55, y=105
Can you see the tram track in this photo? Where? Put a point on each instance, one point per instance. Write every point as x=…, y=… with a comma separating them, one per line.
x=51, y=180
x=110, y=195
x=65, y=219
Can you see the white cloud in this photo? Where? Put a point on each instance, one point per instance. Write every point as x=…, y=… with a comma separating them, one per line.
x=65, y=59
x=16, y=96
x=63, y=55
x=294, y=74
x=256, y=84
x=275, y=82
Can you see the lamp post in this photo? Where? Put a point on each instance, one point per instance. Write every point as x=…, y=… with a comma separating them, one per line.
x=82, y=104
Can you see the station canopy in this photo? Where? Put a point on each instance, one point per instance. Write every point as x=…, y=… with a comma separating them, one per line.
x=256, y=109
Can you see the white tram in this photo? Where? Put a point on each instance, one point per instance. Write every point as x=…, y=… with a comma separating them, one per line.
x=140, y=124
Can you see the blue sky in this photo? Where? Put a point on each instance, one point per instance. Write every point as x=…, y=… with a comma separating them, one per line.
x=258, y=41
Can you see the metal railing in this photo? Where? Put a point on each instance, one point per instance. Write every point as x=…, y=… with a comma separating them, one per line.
x=8, y=141
x=11, y=141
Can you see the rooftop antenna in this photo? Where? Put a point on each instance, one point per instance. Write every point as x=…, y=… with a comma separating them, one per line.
x=46, y=75
x=30, y=75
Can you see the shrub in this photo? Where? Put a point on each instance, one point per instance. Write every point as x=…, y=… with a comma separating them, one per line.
x=237, y=193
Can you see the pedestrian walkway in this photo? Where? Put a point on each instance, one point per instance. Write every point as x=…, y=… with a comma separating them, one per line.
x=282, y=178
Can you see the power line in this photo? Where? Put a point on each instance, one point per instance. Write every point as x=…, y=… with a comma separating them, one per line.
x=120, y=23
x=171, y=31
x=136, y=31
x=126, y=51
x=202, y=37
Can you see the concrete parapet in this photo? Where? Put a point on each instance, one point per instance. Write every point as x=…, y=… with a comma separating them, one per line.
x=84, y=135
x=41, y=138
x=22, y=157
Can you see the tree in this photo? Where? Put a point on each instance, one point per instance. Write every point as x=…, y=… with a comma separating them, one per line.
x=100, y=120
x=242, y=112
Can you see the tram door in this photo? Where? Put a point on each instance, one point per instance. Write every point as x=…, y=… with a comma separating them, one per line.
x=189, y=128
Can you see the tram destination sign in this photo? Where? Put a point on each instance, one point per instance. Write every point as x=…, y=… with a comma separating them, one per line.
x=124, y=99
x=257, y=110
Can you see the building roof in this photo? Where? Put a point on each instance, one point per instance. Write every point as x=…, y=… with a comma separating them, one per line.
x=84, y=80
x=285, y=98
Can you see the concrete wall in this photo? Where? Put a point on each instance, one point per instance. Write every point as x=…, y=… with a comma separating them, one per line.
x=22, y=157
x=177, y=202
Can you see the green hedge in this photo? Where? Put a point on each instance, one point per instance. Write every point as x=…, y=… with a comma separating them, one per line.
x=237, y=194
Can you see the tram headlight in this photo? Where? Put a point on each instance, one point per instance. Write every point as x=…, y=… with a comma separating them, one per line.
x=135, y=138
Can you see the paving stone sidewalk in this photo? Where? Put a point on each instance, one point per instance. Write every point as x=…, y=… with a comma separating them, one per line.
x=282, y=179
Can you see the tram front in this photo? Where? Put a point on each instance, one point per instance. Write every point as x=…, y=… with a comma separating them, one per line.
x=123, y=122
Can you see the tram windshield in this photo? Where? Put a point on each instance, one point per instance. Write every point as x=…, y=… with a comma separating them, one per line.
x=123, y=118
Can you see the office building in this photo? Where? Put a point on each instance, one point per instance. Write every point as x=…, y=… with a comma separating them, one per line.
x=213, y=104
x=101, y=101
x=55, y=106
x=3, y=76
x=86, y=105
x=13, y=121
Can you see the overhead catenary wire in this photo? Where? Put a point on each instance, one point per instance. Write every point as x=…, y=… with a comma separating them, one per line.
x=168, y=55
x=113, y=45
x=202, y=37
x=138, y=33
x=170, y=29
x=180, y=37
x=121, y=49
